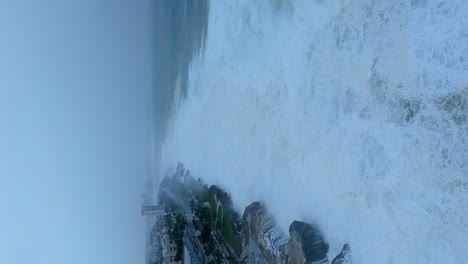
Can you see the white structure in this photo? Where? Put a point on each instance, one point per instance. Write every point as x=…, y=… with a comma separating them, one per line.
x=157, y=210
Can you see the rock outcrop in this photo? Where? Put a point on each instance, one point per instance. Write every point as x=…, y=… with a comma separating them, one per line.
x=254, y=238
x=344, y=257
x=269, y=238
x=306, y=244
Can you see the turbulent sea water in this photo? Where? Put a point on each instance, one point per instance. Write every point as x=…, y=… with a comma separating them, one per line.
x=349, y=114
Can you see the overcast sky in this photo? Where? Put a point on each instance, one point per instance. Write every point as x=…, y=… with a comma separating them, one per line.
x=75, y=81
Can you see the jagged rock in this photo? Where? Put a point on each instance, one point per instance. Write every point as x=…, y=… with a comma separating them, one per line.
x=255, y=237
x=306, y=244
x=269, y=238
x=344, y=257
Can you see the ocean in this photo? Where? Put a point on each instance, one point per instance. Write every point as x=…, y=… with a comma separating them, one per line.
x=180, y=32
x=348, y=114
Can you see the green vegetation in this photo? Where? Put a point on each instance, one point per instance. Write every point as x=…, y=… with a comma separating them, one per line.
x=205, y=215
x=221, y=218
x=246, y=233
x=226, y=228
x=208, y=196
x=212, y=201
x=202, y=196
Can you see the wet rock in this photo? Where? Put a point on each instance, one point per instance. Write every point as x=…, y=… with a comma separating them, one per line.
x=306, y=244
x=344, y=257
x=269, y=238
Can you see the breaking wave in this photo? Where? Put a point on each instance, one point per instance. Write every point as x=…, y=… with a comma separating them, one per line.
x=351, y=114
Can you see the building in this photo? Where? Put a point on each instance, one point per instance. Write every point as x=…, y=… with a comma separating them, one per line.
x=169, y=248
x=170, y=253
x=157, y=210
x=154, y=253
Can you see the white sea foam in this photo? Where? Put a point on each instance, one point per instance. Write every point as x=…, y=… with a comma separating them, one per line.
x=352, y=115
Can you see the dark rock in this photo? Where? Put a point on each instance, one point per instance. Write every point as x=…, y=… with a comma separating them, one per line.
x=306, y=244
x=344, y=257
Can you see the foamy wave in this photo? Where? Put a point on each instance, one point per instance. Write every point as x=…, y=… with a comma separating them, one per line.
x=352, y=115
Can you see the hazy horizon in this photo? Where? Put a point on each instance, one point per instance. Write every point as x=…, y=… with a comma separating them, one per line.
x=75, y=98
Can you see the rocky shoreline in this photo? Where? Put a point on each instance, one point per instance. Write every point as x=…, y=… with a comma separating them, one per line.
x=252, y=237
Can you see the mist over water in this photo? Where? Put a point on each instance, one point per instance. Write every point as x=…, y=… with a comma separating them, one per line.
x=351, y=114
x=179, y=36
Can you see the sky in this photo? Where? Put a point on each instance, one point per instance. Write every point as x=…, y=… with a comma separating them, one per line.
x=75, y=80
